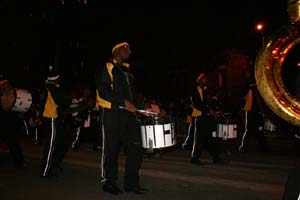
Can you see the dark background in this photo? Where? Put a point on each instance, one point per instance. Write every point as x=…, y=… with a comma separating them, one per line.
x=171, y=41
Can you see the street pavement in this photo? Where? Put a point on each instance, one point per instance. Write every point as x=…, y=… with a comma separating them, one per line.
x=168, y=174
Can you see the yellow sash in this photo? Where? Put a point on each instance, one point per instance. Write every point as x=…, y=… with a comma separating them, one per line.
x=248, y=101
x=50, y=107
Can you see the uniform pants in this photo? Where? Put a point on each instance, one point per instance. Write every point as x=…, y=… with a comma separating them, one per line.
x=203, y=139
x=8, y=135
x=254, y=129
x=292, y=186
x=121, y=127
x=190, y=134
x=55, y=145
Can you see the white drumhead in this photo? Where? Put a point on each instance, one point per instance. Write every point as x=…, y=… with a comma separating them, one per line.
x=23, y=100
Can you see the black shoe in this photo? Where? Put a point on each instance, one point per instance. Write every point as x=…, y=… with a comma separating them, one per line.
x=136, y=190
x=196, y=162
x=112, y=189
x=49, y=175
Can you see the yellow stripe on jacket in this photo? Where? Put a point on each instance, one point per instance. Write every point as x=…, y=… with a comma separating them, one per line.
x=248, y=101
x=196, y=112
x=50, y=110
x=103, y=103
x=109, y=66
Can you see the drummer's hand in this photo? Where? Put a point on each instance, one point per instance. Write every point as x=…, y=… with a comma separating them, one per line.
x=155, y=108
x=152, y=108
x=130, y=107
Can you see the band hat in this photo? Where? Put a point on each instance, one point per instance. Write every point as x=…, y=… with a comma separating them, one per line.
x=52, y=74
x=52, y=78
x=122, y=44
x=200, y=77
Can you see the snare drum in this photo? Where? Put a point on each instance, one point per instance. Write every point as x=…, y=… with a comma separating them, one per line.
x=14, y=99
x=269, y=125
x=226, y=131
x=23, y=100
x=157, y=132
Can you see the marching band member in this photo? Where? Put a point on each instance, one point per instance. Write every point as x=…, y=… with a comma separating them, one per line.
x=8, y=131
x=56, y=136
x=204, y=123
x=254, y=113
x=115, y=88
x=192, y=122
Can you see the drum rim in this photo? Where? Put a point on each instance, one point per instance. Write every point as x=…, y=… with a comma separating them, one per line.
x=149, y=121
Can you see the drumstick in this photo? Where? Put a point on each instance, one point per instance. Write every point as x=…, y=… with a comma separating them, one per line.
x=141, y=111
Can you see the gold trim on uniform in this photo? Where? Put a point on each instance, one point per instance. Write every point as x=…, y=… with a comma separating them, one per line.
x=50, y=110
x=103, y=103
x=248, y=101
x=196, y=112
x=109, y=66
x=50, y=107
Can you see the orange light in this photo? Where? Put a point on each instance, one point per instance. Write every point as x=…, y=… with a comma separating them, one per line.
x=259, y=27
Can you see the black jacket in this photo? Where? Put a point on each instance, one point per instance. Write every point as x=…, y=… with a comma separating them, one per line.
x=60, y=97
x=199, y=104
x=118, y=88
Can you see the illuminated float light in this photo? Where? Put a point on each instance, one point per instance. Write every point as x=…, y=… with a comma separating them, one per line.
x=259, y=27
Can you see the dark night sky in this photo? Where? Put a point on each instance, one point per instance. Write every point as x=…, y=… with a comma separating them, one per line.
x=164, y=35
x=184, y=34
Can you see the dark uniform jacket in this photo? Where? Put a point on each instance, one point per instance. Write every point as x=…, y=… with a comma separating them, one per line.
x=115, y=84
x=200, y=101
x=56, y=100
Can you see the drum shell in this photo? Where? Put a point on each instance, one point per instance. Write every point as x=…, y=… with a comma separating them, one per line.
x=15, y=99
x=157, y=132
x=8, y=96
x=226, y=129
x=269, y=125
x=156, y=120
